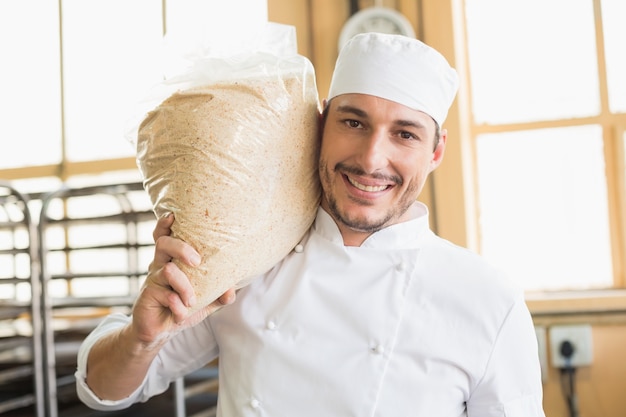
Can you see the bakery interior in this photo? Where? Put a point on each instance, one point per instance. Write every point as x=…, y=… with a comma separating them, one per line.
x=534, y=176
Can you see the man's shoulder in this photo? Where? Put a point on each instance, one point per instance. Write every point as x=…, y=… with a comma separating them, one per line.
x=447, y=250
x=463, y=268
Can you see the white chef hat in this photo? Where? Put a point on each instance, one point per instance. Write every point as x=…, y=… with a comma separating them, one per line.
x=396, y=68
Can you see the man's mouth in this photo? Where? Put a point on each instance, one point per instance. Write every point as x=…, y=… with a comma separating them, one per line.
x=367, y=188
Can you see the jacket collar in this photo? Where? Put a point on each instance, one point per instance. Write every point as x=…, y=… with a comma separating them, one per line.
x=410, y=234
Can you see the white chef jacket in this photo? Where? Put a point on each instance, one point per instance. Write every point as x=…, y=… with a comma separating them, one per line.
x=407, y=324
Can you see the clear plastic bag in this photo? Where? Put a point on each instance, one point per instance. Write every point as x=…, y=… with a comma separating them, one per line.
x=232, y=151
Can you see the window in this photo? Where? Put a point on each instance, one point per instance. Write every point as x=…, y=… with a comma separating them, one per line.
x=613, y=15
x=70, y=88
x=77, y=72
x=542, y=216
x=109, y=61
x=31, y=95
x=76, y=76
x=548, y=99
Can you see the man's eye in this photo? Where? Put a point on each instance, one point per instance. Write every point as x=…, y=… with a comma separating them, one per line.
x=353, y=123
x=407, y=135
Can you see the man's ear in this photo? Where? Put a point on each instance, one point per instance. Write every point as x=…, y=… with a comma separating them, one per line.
x=439, y=150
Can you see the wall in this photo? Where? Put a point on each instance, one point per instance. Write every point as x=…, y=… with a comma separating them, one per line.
x=318, y=24
x=599, y=387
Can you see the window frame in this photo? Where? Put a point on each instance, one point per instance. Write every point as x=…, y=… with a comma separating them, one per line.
x=452, y=194
x=613, y=127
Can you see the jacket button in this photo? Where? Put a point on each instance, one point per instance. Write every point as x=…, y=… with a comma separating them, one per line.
x=254, y=403
x=299, y=248
x=378, y=349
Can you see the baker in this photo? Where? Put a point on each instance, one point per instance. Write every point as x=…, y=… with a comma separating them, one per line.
x=373, y=314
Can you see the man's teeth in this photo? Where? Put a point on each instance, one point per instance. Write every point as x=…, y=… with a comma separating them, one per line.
x=368, y=188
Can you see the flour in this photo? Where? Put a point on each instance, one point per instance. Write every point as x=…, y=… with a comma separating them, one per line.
x=236, y=163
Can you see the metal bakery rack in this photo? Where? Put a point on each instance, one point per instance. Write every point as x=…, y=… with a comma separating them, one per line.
x=86, y=256
x=95, y=244
x=21, y=379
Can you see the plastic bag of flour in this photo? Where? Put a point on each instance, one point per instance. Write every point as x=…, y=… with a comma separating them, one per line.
x=231, y=149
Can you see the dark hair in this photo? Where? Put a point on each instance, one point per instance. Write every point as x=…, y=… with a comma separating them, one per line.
x=437, y=135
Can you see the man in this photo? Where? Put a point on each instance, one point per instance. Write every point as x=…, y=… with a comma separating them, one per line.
x=372, y=314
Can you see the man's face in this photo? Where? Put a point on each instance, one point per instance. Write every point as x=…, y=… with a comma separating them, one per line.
x=374, y=159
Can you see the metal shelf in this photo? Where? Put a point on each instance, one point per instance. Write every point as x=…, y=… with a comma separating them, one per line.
x=94, y=235
x=21, y=382
x=101, y=238
x=85, y=257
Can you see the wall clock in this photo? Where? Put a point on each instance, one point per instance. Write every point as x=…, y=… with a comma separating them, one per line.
x=375, y=19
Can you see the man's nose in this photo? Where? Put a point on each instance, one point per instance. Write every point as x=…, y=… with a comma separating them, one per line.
x=373, y=151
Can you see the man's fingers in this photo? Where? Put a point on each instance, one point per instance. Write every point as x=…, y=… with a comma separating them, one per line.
x=177, y=281
x=168, y=248
x=163, y=226
x=228, y=297
x=168, y=299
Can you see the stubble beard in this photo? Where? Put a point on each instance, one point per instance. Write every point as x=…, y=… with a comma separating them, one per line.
x=360, y=224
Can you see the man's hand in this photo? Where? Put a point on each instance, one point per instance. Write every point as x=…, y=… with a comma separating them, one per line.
x=118, y=362
x=167, y=297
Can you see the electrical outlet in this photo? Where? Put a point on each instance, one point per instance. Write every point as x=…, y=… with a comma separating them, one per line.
x=580, y=338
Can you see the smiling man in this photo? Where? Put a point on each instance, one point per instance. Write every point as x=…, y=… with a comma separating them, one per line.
x=375, y=157
x=372, y=314
x=381, y=138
